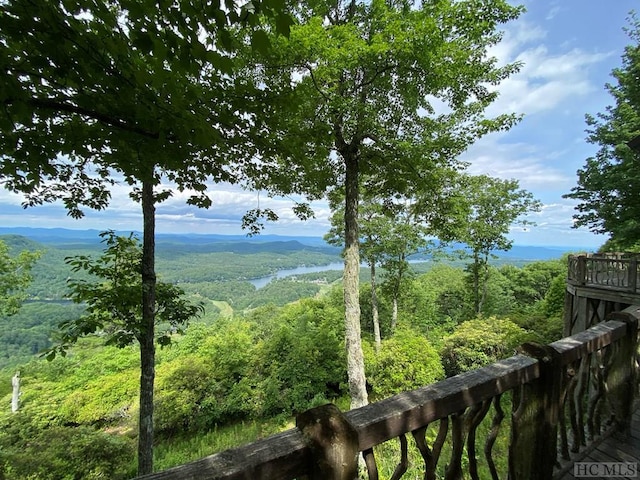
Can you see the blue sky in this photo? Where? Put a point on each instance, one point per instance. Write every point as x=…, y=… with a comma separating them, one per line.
x=568, y=49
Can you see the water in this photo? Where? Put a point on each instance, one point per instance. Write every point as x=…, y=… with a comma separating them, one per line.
x=262, y=281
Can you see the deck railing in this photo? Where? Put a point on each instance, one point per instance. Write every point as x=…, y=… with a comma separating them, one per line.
x=549, y=401
x=612, y=271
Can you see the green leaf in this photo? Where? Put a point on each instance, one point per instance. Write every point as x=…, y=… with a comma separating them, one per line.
x=284, y=22
x=260, y=42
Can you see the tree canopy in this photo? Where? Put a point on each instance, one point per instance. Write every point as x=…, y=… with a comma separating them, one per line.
x=135, y=90
x=489, y=207
x=608, y=189
x=15, y=277
x=384, y=91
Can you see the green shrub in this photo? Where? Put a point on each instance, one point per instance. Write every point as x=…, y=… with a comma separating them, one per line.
x=479, y=342
x=406, y=361
x=62, y=453
x=212, y=384
x=304, y=357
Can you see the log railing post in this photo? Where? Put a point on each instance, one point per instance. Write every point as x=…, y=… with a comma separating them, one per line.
x=621, y=378
x=333, y=443
x=633, y=274
x=534, y=424
x=582, y=270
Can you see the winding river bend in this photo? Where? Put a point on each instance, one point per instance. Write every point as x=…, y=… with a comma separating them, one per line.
x=262, y=281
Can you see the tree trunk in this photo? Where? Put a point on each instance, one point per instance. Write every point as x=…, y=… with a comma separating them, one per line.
x=351, y=285
x=15, y=397
x=476, y=283
x=394, y=313
x=147, y=346
x=485, y=281
x=374, y=307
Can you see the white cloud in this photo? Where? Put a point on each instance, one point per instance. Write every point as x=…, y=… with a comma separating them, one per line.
x=553, y=11
x=528, y=164
x=547, y=78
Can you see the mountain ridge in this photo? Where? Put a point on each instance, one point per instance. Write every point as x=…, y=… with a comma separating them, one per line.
x=242, y=243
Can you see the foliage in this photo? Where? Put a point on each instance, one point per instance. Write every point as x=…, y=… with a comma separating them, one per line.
x=218, y=383
x=478, y=342
x=113, y=298
x=15, y=276
x=145, y=64
x=354, y=88
x=490, y=207
x=437, y=300
x=279, y=292
x=127, y=90
x=554, y=298
x=608, y=186
x=531, y=283
x=405, y=361
x=29, y=332
x=124, y=302
x=62, y=453
x=304, y=356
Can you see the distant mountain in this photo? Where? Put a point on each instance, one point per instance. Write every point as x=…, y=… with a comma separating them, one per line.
x=202, y=243
x=522, y=252
x=18, y=243
x=53, y=235
x=169, y=242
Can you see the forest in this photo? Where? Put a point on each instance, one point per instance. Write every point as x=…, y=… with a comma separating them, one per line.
x=254, y=358
x=155, y=355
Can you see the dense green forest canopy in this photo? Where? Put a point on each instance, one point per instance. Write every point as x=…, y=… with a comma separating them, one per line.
x=255, y=364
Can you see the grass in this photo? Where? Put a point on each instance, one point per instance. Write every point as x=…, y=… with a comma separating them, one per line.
x=225, y=309
x=183, y=449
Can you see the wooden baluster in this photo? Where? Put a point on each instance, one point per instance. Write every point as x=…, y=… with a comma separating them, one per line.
x=570, y=373
x=597, y=395
x=420, y=437
x=443, y=429
x=454, y=469
x=583, y=383
x=621, y=376
x=475, y=417
x=632, y=273
x=401, y=468
x=493, y=435
x=581, y=272
x=534, y=425
x=370, y=462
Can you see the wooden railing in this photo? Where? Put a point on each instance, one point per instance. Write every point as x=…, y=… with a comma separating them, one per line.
x=561, y=397
x=613, y=271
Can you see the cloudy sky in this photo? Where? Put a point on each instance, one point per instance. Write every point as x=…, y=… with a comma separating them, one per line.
x=568, y=49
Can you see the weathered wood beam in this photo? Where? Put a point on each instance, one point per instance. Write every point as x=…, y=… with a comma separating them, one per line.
x=597, y=337
x=279, y=457
x=408, y=411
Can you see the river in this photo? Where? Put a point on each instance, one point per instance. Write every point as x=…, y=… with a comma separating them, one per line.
x=262, y=281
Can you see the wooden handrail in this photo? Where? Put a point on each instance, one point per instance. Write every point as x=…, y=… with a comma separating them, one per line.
x=403, y=413
x=609, y=271
x=290, y=455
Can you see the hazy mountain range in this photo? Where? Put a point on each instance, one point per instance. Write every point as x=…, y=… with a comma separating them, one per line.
x=242, y=243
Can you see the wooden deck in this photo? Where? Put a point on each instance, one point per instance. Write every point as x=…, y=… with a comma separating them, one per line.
x=614, y=448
